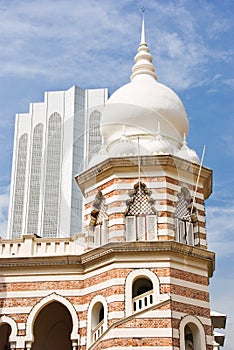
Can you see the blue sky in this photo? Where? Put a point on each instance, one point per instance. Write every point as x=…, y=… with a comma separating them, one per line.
x=51, y=45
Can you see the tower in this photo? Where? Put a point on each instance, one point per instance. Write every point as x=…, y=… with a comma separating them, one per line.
x=49, y=147
x=145, y=194
x=139, y=275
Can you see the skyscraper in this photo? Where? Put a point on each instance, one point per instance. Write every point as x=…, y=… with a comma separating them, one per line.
x=49, y=147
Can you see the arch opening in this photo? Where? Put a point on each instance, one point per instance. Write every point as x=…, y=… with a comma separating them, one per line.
x=97, y=323
x=192, y=334
x=140, y=286
x=142, y=293
x=52, y=328
x=188, y=337
x=5, y=331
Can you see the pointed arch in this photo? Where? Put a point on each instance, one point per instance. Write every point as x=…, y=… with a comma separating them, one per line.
x=44, y=302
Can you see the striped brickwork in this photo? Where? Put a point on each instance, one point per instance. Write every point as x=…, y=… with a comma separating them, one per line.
x=164, y=186
x=182, y=290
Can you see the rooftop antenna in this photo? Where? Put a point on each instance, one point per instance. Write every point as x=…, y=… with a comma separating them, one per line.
x=198, y=177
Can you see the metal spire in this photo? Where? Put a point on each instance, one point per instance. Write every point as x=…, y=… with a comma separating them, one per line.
x=143, y=39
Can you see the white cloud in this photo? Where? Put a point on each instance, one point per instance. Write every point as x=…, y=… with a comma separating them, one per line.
x=220, y=228
x=229, y=82
x=71, y=38
x=222, y=301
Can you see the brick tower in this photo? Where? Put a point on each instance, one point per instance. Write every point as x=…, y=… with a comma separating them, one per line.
x=145, y=194
x=138, y=277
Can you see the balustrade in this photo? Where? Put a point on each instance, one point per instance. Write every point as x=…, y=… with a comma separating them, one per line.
x=98, y=331
x=142, y=301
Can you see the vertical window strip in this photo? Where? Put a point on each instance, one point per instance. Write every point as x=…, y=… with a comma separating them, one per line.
x=94, y=133
x=52, y=180
x=19, y=187
x=35, y=179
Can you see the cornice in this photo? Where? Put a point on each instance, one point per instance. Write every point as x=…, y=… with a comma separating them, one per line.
x=112, y=253
x=112, y=166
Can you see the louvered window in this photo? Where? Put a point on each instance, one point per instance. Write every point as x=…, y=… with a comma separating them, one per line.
x=141, y=218
x=101, y=233
x=141, y=228
x=100, y=221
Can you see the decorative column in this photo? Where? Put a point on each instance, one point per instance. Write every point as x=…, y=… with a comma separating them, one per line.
x=28, y=345
x=12, y=345
x=74, y=344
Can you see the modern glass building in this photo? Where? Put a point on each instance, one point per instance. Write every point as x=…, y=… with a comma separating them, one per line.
x=50, y=147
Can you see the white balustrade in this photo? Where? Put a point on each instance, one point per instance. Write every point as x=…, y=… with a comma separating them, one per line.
x=98, y=331
x=30, y=245
x=142, y=301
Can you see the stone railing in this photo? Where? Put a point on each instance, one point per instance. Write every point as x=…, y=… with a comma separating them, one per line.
x=98, y=331
x=142, y=301
x=30, y=245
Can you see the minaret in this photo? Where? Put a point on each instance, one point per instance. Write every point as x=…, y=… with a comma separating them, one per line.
x=153, y=231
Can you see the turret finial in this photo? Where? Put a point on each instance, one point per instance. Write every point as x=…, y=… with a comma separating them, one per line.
x=143, y=66
x=143, y=39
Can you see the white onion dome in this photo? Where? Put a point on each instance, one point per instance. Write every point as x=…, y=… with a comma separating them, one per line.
x=160, y=145
x=123, y=147
x=187, y=153
x=143, y=103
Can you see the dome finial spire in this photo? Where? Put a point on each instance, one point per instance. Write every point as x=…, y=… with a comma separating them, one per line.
x=143, y=67
x=143, y=39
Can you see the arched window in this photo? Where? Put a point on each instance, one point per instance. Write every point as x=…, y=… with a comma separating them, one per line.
x=18, y=205
x=142, y=293
x=192, y=334
x=35, y=178
x=188, y=337
x=185, y=217
x=97, y=319
x=141, y=217
x=99, y=221
x=52, y=178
